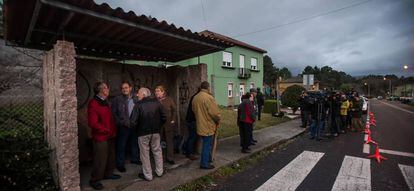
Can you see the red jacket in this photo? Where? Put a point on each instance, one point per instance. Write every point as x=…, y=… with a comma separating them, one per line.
x=101, y=120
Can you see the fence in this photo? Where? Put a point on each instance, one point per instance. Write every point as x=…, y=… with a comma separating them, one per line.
x=23, y=153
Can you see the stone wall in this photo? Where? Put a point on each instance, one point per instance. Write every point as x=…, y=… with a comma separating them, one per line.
x=61, y=131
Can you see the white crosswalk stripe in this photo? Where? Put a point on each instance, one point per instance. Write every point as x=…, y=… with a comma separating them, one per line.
x=408, y=173
x=290, y=177
x=355, y=174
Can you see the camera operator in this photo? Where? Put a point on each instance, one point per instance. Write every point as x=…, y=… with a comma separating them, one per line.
x=304, y=109
x=319, y=105
x=334, y=110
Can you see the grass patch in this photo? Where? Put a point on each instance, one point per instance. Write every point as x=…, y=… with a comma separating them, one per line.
x=228, y=124
x=212, y=180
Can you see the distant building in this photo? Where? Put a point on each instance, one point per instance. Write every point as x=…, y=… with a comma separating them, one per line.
x=297, y=80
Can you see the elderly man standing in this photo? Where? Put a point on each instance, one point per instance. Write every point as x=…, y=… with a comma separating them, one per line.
x=207, y=119
x=102, y=124
x=148, y=117
x=122, y=107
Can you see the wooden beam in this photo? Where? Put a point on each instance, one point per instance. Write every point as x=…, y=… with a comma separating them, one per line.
x=33, y=21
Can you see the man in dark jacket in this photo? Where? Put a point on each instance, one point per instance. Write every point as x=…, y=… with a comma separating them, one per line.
x=260, y=103
x=319, y=108
x=147, y=118
x=102, y=124
x=192, y=130
x=122, y=107
x=304, y=109
x=335, y=114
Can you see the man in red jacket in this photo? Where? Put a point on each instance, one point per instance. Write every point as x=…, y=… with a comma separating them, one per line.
x=102, y=124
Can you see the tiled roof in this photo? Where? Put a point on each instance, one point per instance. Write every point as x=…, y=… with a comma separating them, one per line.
x=231, y=40
x=99, y=30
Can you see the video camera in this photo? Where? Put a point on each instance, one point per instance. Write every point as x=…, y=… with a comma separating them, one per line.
x=316, y=97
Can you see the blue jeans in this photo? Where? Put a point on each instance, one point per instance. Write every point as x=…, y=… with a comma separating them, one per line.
x=206, y=150
x=125, y=134
x=192, y=137
x=335, y=124
x=316, y=131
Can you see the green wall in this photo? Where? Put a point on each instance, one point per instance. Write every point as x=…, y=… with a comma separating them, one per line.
x=222, y=76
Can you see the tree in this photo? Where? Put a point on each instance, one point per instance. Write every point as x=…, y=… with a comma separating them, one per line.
x=285, y=73
x=290, y=97
x=346, y=87
x=269, y=70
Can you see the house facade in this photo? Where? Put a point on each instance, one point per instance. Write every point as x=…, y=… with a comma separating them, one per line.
x=231, y=72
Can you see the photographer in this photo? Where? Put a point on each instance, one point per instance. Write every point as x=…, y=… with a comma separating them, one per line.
x=304, y=109
x=335, y=106
x=319, y=105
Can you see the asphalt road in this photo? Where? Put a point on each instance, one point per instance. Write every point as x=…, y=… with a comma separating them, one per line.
x=340, y=163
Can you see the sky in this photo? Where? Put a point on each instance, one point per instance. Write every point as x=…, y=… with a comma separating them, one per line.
x=358, y=37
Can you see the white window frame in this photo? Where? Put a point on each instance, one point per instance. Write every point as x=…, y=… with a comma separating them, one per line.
x=242, y=92
x=230, y=89
x=227, y=59
x=253, y=65
x=242, y=62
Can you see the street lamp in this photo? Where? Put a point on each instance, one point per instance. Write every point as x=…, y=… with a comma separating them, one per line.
x=369, y=93
x=405, y=85
x=390, y=90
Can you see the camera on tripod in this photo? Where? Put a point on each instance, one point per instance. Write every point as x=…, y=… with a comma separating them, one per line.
x=315, y=97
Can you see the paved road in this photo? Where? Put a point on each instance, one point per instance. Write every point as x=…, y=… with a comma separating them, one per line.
x=340, y=163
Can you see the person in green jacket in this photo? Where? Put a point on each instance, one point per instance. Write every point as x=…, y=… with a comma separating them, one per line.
x=356, y=112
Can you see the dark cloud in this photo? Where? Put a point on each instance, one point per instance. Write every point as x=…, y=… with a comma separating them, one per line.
x=376, y=37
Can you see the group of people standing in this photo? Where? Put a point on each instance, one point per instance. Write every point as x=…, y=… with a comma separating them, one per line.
x=141, y=121
x=341, y=112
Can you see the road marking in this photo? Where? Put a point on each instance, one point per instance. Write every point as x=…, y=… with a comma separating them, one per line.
x=396, y=107
x=366, y=149
x=290, y=176
x=408, y=173
x=391, y=152
x=355, y=174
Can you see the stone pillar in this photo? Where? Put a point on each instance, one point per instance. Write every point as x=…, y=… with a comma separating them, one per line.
x=60, y=114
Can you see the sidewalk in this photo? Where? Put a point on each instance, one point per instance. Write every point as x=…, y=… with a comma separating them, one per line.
x=228, y=151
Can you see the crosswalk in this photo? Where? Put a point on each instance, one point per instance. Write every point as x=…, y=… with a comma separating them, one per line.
x=354, y=174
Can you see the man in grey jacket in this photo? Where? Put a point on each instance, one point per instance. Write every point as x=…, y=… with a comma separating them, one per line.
x=122, y=107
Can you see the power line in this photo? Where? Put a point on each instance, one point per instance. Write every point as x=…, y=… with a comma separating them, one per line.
x=303, y=19
x=204, y=15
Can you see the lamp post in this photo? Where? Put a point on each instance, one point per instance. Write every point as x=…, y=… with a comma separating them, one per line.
x=389, y=90
x=405, y=85
x=369, y=89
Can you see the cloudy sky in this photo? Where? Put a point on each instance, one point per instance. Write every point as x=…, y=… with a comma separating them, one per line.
x=356, y=36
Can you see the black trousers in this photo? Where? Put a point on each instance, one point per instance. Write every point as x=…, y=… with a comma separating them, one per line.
x=259, y=112
x=245, y=130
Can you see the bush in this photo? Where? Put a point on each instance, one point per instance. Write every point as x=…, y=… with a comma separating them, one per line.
x=290, y=97
x=270, y=106
x=24, y=156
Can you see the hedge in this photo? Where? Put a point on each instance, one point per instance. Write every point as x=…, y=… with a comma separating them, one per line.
x=270, y=106
x=24, y=156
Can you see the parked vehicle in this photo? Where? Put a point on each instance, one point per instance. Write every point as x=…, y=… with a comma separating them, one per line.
x=364, y=105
